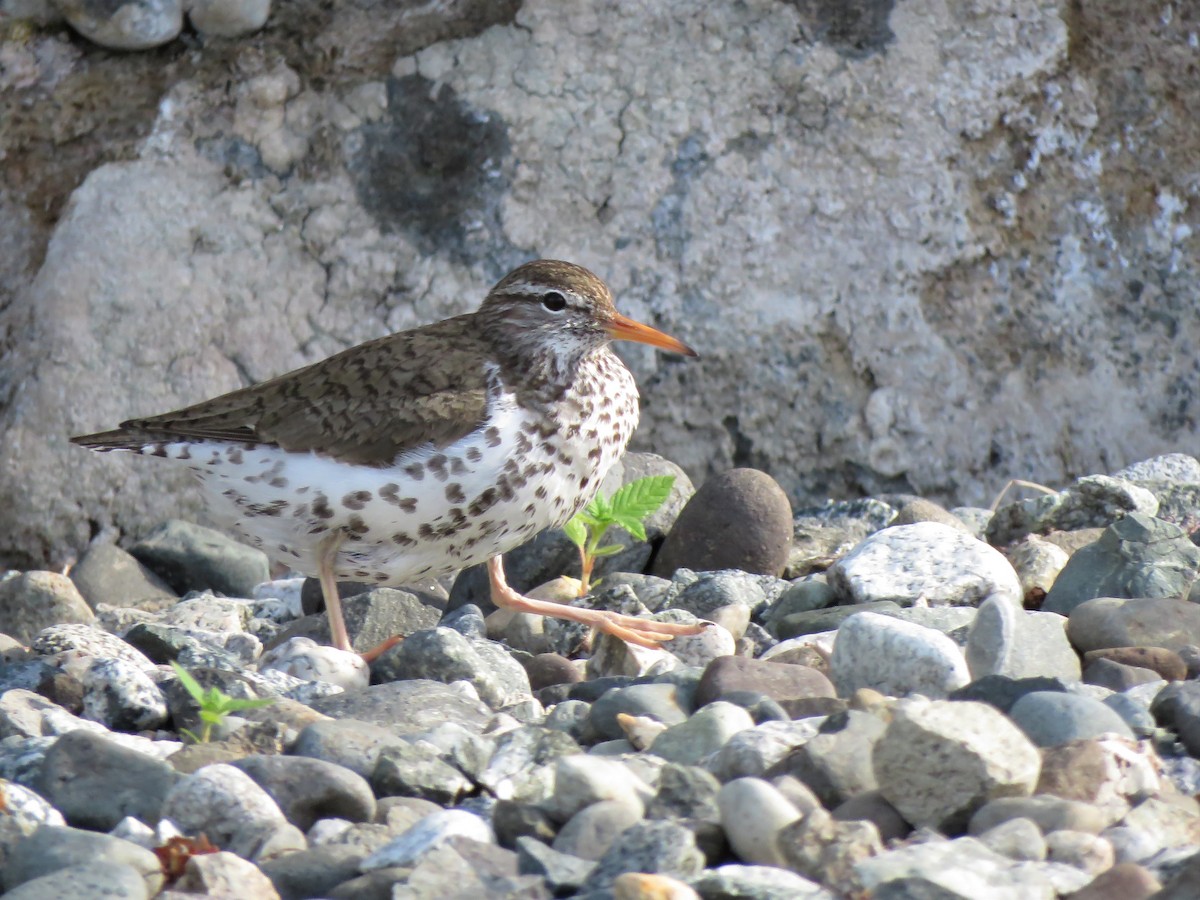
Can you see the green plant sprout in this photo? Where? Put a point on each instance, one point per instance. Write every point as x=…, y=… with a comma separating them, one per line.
x=627, y=508
x=214, y=704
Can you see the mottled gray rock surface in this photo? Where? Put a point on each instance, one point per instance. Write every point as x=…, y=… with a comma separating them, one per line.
x=954, y=295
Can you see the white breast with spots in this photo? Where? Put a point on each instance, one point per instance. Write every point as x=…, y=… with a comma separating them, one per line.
x=433, y=511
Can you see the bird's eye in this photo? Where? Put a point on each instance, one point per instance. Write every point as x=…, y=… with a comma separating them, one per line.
x=554, y=301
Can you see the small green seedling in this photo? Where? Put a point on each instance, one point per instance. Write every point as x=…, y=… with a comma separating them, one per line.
x=625, y=509
x=214, y=703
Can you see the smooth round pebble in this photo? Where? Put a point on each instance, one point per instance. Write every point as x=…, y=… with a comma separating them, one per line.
x=310, y=789
x=1018, y=839
x=304, y=658
x=227, y=805
x=228, y=18
x=928, y=561
x=35, y=600
x=88, y=881
x=705, y=732
x=896, y=658
x=737, y=519
x=753, y=812
x=1050, y=718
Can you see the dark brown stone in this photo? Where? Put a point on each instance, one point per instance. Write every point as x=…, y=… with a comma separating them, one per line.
x=1074, y=771
x=1124, y=881
x=1117, y=676
x=740, y=519
x=1167, y=663
x=546, y=669
x=782, y=682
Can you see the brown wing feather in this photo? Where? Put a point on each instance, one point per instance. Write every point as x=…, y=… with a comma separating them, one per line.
x=363, y=405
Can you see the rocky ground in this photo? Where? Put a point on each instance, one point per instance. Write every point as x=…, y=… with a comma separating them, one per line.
x=894, y=701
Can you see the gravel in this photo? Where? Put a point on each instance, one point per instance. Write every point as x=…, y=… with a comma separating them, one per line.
x=918, y=727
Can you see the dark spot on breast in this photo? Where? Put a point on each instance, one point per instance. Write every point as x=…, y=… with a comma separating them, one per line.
x=321, y=508
x=454, y=493
x=585, y=481
x=160, y=451
x=491, y=436
x=235, y=455
x=415, y=471
x=279, y=482
x=571, y=431
x=549, y=448
x=531, y=509
x=474, y=454
x=274, y=508
x=541, y=492
x=356, y=499
x=457, y=466
x=356, y=525
x=303, y=489
x=186, y=452
x=401, y=539
x=437, y=465
x=300, y=511
x=595, y=453
x=506, y=490
x=483, y=502
x=237, y=498
x=523, y=444
x=425, y=531
x=390, y=492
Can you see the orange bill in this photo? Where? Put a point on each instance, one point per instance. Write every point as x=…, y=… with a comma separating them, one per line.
x=622, y=328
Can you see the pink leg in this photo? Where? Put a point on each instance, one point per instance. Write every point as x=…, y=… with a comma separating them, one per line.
x=333, y=603
x=642, y=632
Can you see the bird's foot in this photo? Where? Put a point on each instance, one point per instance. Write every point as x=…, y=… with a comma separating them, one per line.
x=643, y=632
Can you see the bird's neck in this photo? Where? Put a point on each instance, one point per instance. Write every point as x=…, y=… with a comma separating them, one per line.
x=546, y=379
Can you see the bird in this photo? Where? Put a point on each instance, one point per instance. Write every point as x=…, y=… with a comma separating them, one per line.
x=427, y=450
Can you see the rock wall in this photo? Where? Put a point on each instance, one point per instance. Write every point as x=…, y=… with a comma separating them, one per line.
x=925, y=246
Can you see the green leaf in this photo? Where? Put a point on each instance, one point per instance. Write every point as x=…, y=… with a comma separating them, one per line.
x=640, y=498
x=599, y=508
x=607, y=550
x=576, y=531
x=633, y=525
x=190, y=684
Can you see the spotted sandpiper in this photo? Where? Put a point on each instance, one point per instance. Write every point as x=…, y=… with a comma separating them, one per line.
x=427, y=450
